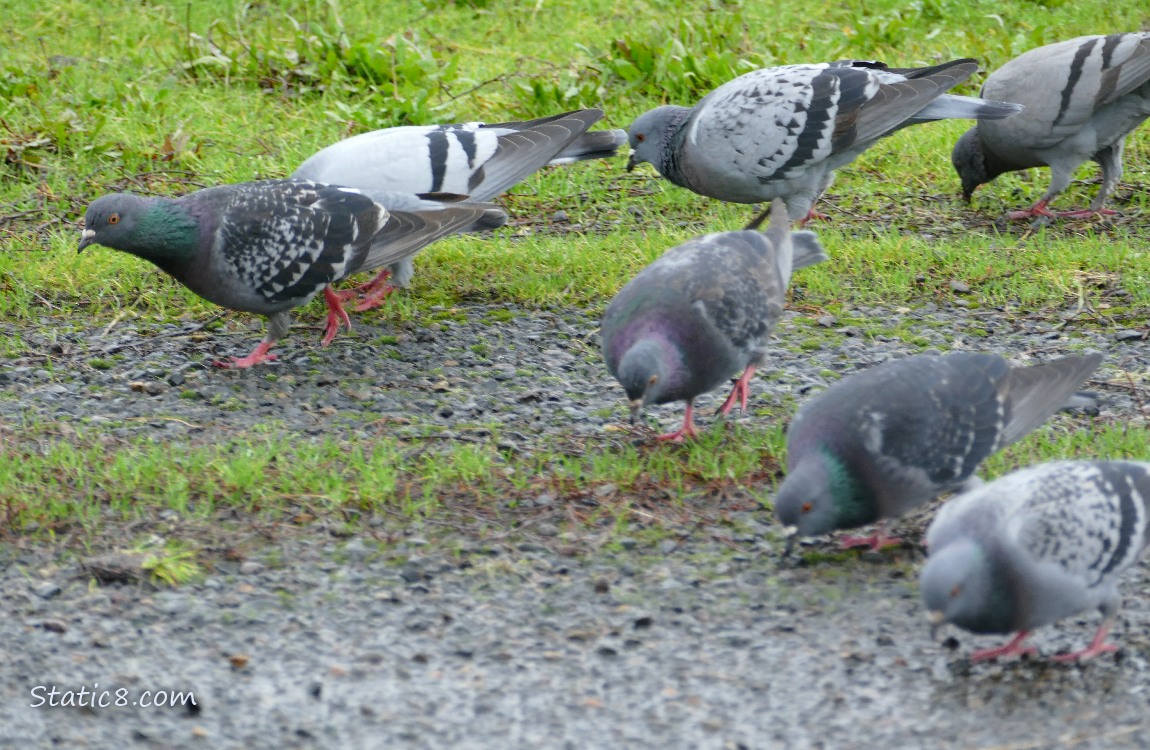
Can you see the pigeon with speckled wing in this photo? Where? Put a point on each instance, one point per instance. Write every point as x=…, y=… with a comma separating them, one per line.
x=267, y=247
x=881, y=442
x=1082, y=98
x=781, y=132
x=702, y=312
x=1035, y=546
x=473, y=159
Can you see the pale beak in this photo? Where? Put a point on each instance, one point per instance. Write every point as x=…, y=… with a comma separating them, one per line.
x=636, y=408
x=87, y=237
x=632, y=162
x=936, y=618
x=792, y=535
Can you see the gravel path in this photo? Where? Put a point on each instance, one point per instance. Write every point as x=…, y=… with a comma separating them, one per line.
x=541, y=638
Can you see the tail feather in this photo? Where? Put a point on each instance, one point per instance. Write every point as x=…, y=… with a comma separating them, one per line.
x=954, y=106
x=795, y=249
x=596, y=144
x=1035, y=393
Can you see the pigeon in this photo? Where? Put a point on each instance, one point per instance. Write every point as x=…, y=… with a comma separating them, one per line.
x=400, y=166
x=883, y=441
x=700, y=313
x=1082, y=98
x=268, y=246
x=1035, y=546
x=781, y=132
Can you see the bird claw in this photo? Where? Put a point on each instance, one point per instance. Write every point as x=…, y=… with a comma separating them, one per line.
x=1014, y=648
x=242, y=363
x=1087, y=653
x=875, y=541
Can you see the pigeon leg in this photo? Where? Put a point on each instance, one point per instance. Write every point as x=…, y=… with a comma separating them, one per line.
x=1096, y=647
x=367, y=287
x=1038, y=209
x=875, y=541
x=1014, y=648
x=335, y=315
x=739, y=392
x=374, y=298
x=686, y=431
x=813, y=215
x=259, y=354
x=1086, y=213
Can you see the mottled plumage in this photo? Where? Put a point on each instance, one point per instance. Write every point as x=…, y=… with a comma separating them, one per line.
x=781, y=132
x=266, y=247
x=472, y=159
x=1035, y=546
x=702, y=312
x=1082, y=98
x=881, y=442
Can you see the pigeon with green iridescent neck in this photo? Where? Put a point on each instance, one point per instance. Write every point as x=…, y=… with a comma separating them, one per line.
x=702, y=312
x=267, y=247
x=881, y=442
x=1036, y=546
x=474, y=159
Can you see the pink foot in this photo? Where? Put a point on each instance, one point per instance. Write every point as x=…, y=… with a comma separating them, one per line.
x=875, y=541
x=739, y=392
x=260, y=354
x=1014, y=648
x=686, y=431
x=1038, y=209
x=335, y=315
x=1096, y=647
x=368, y=289
x=1086, y=213
x=374, y=298
x=813, y=215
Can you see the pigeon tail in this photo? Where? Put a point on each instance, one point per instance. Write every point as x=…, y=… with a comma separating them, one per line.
x=954, y=106
x=597, y=144
x=1034, y=393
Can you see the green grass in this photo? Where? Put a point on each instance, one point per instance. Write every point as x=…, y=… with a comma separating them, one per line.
x=169, y=97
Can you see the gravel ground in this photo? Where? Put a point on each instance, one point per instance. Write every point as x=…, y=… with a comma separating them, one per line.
x=539, y=638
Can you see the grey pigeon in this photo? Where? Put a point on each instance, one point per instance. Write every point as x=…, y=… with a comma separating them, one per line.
x=267, y=247
x=1082, y=98
x=702, y=312
x=1035, y=546
x=883, y=441
x=781, y=132
x=472, y=159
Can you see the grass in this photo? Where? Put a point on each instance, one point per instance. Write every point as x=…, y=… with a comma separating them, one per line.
x=166, y=98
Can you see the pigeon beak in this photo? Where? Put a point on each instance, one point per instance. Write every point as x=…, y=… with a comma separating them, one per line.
x=87, y=237
x=636, y=408
x=792, y=535
x=632, y=162
x=936, y=618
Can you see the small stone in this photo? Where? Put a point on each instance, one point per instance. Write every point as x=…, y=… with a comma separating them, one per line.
x=959, y=287
x=826, y=321
x=47, y=590
x=1129, y=335
x=560, y=217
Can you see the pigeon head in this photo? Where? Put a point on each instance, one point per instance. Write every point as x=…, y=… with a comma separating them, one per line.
x=970, y=162
x=820, y=495
x=959, y=585
x=150, y=228
x=651, y=133
x=645, y=374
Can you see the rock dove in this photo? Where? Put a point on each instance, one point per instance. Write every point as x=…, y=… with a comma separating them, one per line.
x=883, y=441
x=1035, y=546
x=472, y=159
x=781, y=132
x=269, y=246
x=1082, y=97
x=702, y=312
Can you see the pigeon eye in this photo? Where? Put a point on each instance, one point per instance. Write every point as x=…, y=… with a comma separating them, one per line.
x=114, y=219
x=640, y=137
x=955, y=591
x=806, y=507
x=652, y=380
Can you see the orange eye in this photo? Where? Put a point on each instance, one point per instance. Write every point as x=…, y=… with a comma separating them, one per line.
x=955, y=591
x=806, y=507
x=114, y=219
x=652, y=380
x=640, y=137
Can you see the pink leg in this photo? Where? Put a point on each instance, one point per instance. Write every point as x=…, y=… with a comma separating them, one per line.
x=1038, y=209
x=812, y=215
x=1096, y=647
x=686, y=431
x=375, y=296
x=875, y=541
x=259, y=354
x=335, y=315
x=1014, y=648
x=739, y=392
